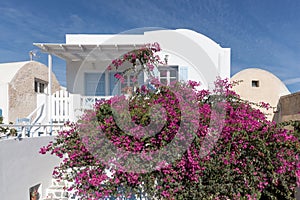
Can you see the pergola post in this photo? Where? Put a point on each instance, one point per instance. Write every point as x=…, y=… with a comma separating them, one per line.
x=50, y=91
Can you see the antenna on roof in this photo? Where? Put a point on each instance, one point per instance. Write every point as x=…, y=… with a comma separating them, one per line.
x=32, y=54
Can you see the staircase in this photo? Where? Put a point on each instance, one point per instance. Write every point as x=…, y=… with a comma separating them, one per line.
x=56, y=191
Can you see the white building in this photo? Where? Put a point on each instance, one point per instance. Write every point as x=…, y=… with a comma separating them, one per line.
x=190, y=56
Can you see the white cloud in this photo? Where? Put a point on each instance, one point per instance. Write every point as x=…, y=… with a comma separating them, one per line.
x=292, y=81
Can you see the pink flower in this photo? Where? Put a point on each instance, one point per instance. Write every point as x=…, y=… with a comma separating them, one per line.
x=150, y=66
x=248, y=148
x=133, y=79
x=43, y=150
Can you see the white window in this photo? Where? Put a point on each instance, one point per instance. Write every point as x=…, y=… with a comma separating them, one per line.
x=129, y=82
x=40, y=86
x=168, y=74
x=105, y=84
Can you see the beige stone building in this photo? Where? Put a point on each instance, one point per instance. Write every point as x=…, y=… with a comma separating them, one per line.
x=288, y=108
x=259, y=85
x=20, y=82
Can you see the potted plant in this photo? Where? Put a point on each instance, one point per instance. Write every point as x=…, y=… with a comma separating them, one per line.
x=3, y=130
x=13, y=132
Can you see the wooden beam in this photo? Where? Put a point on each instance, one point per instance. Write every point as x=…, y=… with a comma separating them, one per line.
x=82, y=48
x=63, y=47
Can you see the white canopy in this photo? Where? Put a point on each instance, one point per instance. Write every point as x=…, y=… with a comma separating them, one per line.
x=79, y=52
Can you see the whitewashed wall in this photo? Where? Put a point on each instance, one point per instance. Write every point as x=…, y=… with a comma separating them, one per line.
x=204, y=57
x=76, y=71
x=21, y=167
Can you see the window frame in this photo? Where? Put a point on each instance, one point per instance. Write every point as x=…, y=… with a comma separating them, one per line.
x=255, y=83
x=40, y=86
x=168, y=77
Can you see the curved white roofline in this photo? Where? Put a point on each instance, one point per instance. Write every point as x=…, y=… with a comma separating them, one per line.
x=282, y=85
x=198, y=36
x=134, y=38
x=9, y=70
x=256, y=69
x=207, y=44
x=205, y=56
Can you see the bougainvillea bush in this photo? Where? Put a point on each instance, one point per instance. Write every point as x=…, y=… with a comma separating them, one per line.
x=176, y=142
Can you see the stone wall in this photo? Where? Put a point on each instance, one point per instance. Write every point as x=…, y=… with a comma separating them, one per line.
x=22, y=97
x=288, y=108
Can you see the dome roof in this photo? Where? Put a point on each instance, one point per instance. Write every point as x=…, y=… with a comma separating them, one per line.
x=9, y=70
x=263, y=75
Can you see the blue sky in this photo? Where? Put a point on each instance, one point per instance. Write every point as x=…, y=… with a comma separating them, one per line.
x=263, y=34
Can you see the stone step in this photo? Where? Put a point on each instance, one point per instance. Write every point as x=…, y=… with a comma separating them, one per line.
x=56, y=191
x=56, y=182
x=57, y=194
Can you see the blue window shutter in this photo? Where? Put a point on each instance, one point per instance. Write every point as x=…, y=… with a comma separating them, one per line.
x=114, y=84
x=156, y=72
x=141, y=79
x=183, y=73
x=101, y=86
x=95, y=84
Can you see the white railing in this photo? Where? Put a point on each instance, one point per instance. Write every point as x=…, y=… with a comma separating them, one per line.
x=25, y=130
x=88, y=102
x=68, y=107
x=65, y=107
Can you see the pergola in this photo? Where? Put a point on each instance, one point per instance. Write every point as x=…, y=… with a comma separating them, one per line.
x=80, y=53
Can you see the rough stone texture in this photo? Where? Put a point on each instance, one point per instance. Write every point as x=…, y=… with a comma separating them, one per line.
x=22, y=97
x=288, y=108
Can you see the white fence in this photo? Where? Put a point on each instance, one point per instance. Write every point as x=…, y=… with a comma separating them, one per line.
x=69, y=107
x=88, y=102
x=62, y=106
x=65, y=107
